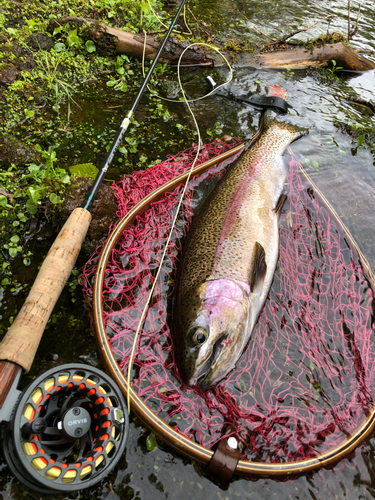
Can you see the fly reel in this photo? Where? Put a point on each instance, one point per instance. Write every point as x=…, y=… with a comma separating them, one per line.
x=68, y=430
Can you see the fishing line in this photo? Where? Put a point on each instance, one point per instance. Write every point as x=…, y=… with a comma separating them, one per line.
x=170, y=232
x=187, y=102
x=165, y=26
x=178, y=73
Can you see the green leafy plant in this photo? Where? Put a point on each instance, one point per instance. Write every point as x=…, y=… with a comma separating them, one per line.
x=90, y=46
x=12, y=223
x=137, y=12
x=73, y=40
x=87, y=170
x=48, y=72
x=122, y=69
x=13, y=246
x=360, y=140
x=217, y=129
x=47, y=181
x=330, y=73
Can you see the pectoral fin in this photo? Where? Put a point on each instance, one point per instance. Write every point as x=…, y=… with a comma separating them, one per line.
x=280, y=203
x=259, y=268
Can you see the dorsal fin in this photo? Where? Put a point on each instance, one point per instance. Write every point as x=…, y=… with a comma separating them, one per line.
x=259, y=269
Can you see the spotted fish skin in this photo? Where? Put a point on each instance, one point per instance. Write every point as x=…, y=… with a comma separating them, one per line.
x=229, y=260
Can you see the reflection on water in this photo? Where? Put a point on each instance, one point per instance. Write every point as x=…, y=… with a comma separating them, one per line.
x=277, y=19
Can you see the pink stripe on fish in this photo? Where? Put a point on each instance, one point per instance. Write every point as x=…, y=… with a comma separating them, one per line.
x=236, y=203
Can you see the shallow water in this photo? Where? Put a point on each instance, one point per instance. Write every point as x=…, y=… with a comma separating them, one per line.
x=344, y=174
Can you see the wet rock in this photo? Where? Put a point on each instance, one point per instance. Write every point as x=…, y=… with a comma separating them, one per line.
x=8, y=73
x=14, y=151
x=15, y=21
x=103, y=212
x=12, y=49
x=10, y=68
x=40, y=42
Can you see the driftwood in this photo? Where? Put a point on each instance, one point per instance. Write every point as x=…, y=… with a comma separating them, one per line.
x=132, y=44
x=317, y=58
x=300, y=58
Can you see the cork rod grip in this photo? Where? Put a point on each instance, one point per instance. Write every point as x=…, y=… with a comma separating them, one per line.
x=22, y=339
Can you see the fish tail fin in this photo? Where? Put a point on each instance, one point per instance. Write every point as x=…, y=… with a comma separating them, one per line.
x=269, y=116
x=295, y=132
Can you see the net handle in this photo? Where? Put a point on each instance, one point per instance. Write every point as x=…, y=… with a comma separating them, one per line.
x=179, y=442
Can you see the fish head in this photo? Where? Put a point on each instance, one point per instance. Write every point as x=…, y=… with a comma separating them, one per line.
x=212, y=326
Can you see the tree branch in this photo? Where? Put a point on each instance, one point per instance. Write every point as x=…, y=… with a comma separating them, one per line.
x=260, y=31
x=283, y=40
x=355, y=29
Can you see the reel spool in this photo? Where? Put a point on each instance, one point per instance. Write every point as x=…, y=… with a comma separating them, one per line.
x=68, y=430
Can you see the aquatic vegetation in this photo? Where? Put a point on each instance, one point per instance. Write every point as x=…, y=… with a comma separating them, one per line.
x=47, y=182
x=330, y=72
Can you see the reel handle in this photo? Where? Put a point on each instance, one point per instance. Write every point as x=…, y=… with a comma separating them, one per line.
x=23, y=337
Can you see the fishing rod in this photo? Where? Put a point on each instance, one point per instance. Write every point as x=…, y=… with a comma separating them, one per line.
x=72, y=405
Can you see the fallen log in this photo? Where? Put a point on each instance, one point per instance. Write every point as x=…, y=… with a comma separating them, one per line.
x=317, y=58
x=303, y=58
x=132, y=44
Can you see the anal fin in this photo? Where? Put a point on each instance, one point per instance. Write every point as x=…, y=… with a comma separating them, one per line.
x=259, y=268
x=280, y=203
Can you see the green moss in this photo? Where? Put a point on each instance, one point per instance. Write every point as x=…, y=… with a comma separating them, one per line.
x=322, y=40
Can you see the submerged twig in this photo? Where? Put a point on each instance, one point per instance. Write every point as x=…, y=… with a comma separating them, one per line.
x=283, y=40
x=199, y=24
x=370, y=103
x=260, y=31
x=355, y=28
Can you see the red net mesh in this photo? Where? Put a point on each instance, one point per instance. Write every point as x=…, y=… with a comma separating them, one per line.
x=305, y=381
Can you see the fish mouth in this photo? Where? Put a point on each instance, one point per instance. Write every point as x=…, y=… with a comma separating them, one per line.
x=201, y=377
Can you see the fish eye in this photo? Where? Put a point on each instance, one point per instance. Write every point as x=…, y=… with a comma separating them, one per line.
x=200, y=336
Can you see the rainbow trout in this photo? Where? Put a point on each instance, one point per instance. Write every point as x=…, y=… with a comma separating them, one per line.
x=230, y=258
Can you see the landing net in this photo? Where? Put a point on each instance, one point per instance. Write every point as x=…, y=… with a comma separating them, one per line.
x=305, y=381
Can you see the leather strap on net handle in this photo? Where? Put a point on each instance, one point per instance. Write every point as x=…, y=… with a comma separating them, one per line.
x=22, y=339
x=225, y=459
